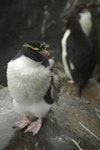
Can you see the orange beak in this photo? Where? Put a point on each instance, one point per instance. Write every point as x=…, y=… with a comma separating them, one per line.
x=45, y=53
x=90, y=4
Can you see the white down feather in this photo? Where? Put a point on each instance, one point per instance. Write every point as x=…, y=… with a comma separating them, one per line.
x=28, y=82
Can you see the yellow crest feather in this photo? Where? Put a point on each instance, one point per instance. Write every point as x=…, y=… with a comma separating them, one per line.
x=31, y=47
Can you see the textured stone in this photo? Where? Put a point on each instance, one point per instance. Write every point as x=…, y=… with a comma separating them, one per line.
x=72, y=124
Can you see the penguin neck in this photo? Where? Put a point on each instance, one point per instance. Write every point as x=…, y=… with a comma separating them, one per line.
x=86, y=21
x=31, y=56
x=28, y=62
x=74, y=26
x=38, y=58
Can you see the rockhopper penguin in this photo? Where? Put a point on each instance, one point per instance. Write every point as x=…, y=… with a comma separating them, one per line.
x=85, y=17
x=31, y=84
x=82, y=13
x=78, y=56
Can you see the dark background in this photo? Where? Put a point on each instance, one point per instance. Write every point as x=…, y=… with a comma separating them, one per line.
x=24, y=20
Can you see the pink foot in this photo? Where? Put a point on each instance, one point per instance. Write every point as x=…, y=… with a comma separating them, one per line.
x=71, y=81
x=23, y=123
x=34, y=126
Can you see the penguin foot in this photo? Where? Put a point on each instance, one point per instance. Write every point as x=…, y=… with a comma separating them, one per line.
x=71, y=81
x=34, y=127
x=22, y=123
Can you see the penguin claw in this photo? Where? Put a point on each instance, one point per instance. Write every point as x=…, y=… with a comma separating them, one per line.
x=34, y=127
x=71, y=81
x=22, y=123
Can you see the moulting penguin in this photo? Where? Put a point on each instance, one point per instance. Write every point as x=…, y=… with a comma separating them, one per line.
x=78, y=56
x=32, y=84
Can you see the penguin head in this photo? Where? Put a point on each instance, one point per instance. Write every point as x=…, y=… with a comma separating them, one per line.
x=80, y=7
x=73, y=17
x=73, y=25
x=36, y=47
x=36, y=50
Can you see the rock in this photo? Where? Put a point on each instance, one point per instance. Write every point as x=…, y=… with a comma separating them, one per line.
x=1, y=86
x=72, y=124
x=91, y=92
x=7, y=116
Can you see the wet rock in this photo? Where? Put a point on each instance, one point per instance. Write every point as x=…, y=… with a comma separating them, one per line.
x=72, y=124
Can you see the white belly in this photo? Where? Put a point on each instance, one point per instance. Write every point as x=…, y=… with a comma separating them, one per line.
x=86, y=22
x=64, y=53
x=28, y=82
x=38, y=109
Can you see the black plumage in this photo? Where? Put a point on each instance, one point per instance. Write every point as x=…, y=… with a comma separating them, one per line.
x=82, y=13
x=79, y=53
x=32, y=54
x=31, y=83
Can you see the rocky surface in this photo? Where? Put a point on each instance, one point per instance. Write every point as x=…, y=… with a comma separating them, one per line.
x=72, y=124
x=91, y=92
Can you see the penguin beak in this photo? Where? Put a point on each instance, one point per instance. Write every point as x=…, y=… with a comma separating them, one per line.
x=88, y=5
x=45, y=53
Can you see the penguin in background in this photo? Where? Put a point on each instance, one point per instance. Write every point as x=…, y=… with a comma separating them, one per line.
x=78, y=56
x=82, y=11
x=32, y=84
